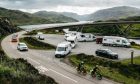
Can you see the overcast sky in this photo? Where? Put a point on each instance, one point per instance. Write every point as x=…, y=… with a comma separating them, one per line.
x=76, y=6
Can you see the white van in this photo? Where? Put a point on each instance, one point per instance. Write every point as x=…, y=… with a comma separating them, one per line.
x=63, y=49
x=115, y=41
x=72, y=40
x=86, y=37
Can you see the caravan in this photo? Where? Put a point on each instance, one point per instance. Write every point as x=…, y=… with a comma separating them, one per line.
x=115, y=41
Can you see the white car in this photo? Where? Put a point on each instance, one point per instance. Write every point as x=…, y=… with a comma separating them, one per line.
x=22, y=47
x=40, y=36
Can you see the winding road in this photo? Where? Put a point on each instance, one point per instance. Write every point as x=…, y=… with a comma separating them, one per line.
x=47, y=64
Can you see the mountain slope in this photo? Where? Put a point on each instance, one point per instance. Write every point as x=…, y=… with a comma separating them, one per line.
x=55, y=16
x=21, y=18
x=76, y=16
x=115, y=13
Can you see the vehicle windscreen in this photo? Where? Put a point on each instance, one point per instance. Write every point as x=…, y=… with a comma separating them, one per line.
x=109, y=51
x=72, y=42
x=125, y=41
x=22, y=45
x=61, y=48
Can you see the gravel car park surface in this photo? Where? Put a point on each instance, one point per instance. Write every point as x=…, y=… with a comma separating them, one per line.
x=90, y=47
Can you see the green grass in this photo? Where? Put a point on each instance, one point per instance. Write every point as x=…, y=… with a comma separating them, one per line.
x=34, y=43
x=109, y=72
x=136, y=46
x=19, y=71
x=136, y=60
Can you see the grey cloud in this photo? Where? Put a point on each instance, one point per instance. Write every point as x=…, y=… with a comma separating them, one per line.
x=40, y=4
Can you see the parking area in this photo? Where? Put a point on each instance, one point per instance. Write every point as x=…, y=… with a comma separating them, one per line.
x=90, y=47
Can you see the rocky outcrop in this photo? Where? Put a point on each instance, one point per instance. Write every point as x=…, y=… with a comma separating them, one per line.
x=6, y=27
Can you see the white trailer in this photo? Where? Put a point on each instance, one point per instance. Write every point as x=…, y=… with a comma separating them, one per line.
x=63, y=49
x=115, y=41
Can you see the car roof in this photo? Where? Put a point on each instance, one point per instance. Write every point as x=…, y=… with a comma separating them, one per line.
x=21, y=43
x=64, y=44
x=104, y=49
x=71, y=38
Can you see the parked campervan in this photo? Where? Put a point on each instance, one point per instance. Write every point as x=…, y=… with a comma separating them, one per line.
x=86, y=37
x=115, y=41
x=70, y=33
x=72, y=40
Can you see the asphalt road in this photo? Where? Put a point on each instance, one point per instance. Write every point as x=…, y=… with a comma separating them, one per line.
x=90, y=47
x=47, y=64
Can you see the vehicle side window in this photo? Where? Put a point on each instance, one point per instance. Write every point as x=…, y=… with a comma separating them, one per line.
x=104, y=51
x=123, y=41
x=118, y=40
x=66, y=48
x=82, y=35
x=89, y=36
x=105, y=39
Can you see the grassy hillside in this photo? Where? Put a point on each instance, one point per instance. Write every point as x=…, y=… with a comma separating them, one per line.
x=17, y=71
x=21, y=18
x=76, y=16
x=54, y=16
x=115, y=13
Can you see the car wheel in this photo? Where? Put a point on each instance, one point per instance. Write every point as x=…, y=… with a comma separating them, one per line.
x=125, y=46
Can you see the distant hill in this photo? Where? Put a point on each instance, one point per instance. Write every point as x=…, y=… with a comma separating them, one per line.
x=76, y=16
x=54, y=16
x=115, y=13
x=22, y=18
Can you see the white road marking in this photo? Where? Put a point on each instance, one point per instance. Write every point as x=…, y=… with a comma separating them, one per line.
x=33, y=60
x=64, y=75
x=42, y=69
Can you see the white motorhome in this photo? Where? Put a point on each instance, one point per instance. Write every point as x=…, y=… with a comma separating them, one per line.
x=72, y=40
x=70, y=33
x=86, y=37
x=63, y=49
x=115, y=41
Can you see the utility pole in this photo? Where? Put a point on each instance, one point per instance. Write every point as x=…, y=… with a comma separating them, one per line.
x=132, y=55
